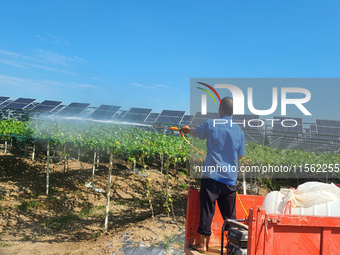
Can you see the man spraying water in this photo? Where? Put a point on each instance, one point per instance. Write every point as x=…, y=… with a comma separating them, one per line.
x=225, y=147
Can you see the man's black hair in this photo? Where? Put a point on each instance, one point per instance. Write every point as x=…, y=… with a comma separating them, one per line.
x=227, y=106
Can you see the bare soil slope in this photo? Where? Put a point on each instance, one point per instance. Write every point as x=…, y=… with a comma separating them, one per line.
x=70, y=219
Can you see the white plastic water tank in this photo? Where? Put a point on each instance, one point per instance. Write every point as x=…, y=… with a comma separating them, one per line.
x=321, y=200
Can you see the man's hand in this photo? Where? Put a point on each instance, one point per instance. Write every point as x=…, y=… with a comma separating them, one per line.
x=185, y=129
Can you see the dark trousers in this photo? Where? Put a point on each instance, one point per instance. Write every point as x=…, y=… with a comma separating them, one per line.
x=225, y=195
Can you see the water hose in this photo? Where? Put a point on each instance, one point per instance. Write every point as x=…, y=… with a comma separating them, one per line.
x=191, y=144
x=239, y=199
x=178, y=129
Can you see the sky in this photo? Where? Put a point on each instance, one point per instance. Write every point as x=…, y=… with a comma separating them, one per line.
x=144, y=53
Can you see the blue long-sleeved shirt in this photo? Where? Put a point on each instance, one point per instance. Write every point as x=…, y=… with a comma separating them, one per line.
x=225, y=142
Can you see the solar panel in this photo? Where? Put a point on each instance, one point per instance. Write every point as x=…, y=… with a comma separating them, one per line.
x=3, y=99
x=20, y=103
x=329, y=130
x=136, y=114
x=313, y=129
x=47, y=106
x=134, y=110
x=186, y=120
x=327, y=123
x=105, y=112
x=327, y=127
x=120, y=115
x=4, y=104
x=199, y=119
x=22, y=100
x=31, y=106
x=152, y=117
x=58, y=108
x=287, y=124
x=170, y=117
x=74, y=109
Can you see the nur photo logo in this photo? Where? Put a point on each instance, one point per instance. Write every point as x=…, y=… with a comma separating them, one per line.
x=239, y=99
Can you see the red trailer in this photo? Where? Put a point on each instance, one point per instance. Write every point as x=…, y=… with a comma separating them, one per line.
x=268, y=234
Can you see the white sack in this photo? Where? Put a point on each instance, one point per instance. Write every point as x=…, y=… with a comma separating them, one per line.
x=311, y=193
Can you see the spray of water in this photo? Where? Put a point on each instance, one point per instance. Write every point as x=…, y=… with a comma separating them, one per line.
x=78, y=119
x=47, y=125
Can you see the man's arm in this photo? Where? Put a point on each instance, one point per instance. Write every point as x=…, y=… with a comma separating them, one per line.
x=187, y=130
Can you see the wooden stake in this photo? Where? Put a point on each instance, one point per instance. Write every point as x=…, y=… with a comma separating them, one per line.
x=167, y=186
x=244, y=184
x=25, y=149
x=33, y=153
x=251, y=182
x=5, y=147
x=108, y=195
x=48, y=167
x=93, y=167
x=64, y=157
x=97, y=159
x=162, y=162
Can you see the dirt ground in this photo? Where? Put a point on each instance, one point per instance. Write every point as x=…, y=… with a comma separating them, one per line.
x=70, y=220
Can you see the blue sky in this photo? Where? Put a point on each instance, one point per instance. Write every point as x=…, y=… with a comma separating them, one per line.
x=143, y=53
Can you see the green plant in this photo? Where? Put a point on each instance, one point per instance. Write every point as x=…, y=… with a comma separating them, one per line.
x=3, y=232
x=61, y=222
x=168, y=241
x=34, y=204
x=183, y=172
x=184, y=185
x=136, y=144
x=95, y=235
x=87, y=210
x=24, y=206
x=148, y=197
x=54, y=191
x=2, y=209
x=4, y=244
x=26, y=237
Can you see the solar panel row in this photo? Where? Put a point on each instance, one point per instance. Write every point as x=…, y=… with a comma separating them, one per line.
x=289, y=130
